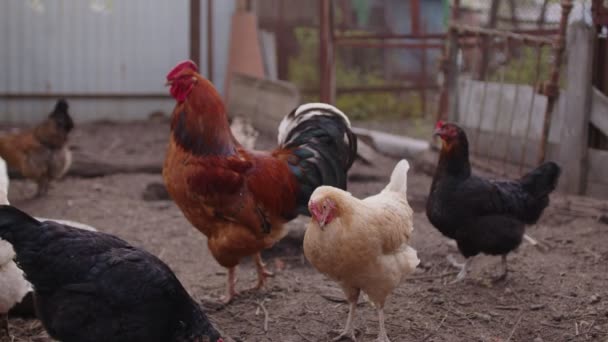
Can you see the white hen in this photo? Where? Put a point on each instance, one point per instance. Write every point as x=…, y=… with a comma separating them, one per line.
x=363, y=244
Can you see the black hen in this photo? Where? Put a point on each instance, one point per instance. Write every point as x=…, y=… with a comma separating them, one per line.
x=482, y=215
x=95, y=287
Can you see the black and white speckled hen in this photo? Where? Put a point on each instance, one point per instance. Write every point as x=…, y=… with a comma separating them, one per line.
x=93, y=287
x=483, y=215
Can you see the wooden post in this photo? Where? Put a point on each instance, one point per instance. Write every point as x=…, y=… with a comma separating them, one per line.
x=573, y=150
x=195, y=31
x=326, y=53
x=210, y=40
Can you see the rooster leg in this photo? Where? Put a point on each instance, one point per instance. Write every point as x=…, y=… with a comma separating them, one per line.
x=231, y=286
x=464, y=267
x=263, y=273
x=382, y=336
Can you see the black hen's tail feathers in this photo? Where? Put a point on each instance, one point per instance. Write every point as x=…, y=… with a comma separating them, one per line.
x=15, y=224
x=322, y=145
x=542, y=180
x=538, y=184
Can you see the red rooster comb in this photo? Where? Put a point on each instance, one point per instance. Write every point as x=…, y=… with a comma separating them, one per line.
x=439, y=124
x=181, y=66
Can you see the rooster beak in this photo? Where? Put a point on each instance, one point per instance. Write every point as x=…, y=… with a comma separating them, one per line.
x=168, y=83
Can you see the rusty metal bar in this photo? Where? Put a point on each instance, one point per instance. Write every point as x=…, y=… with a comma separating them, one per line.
x=471, y=72
x=104, y=96
x=415, y=16
x=448, y=65
x=195, y=31
x=551, y=88
x=210, y=40
x=374, y=89
x=365, y=44
x=500, y=94
x=326, y=58
x=439, y=36
x=522, y=158
x=504, y=34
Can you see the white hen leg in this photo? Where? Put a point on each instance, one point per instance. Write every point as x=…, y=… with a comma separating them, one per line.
x=464, y=267
x=349, y=330
x=382, y=336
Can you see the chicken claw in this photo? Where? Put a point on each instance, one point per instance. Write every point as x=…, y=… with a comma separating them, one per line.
x=263, y=273
x=349, y=331
x=464, y=268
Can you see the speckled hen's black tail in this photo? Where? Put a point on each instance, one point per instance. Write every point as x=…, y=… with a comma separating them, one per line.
x=323, y=148
x=538, y=184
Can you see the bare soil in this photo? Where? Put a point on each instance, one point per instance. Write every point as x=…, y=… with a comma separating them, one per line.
x=558, y=292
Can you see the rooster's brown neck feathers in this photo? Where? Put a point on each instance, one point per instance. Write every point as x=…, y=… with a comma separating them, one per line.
x=199, y=124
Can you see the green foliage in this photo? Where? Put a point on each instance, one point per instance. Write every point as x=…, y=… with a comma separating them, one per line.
x=304, y=72
x=525, y=69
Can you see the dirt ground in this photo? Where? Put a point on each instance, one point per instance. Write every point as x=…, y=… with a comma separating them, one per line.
x=555, y=293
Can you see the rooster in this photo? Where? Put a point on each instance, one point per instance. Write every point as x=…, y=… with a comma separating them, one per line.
x=482, y=215
x=240, y=199
x=95, y=287
x=41, y=153
x=363, y=244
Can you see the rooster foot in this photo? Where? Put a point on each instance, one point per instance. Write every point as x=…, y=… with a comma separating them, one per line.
x=263, y=272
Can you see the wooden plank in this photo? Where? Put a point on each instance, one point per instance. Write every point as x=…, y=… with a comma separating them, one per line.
x=599, y=111
x=597, y=190
x=573, y=142
x=598, y=166
x=263, y=102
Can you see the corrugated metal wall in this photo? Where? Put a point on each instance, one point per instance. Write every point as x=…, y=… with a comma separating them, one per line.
x=69, y=47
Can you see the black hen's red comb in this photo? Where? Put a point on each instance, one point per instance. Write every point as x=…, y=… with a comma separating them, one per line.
x=440, y=124
x=181, y=66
